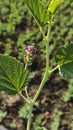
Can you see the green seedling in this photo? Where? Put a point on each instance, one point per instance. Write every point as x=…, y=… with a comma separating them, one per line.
x=37, y=125
x=23, y=112
x=12, y=125
x=2, y=115
x=55, y=124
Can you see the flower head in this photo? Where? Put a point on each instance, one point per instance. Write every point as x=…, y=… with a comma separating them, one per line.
x=30, y=52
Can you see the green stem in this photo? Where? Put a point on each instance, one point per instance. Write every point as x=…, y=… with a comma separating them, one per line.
x=29, y=118
x=24, y=98
x=26, y=66
x=27, y=93
x=46, y=40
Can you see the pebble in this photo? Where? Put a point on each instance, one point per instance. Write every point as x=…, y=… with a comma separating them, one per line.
x=2, y=127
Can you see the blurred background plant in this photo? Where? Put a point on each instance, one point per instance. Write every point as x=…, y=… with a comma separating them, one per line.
x=68, y=95
x=11, y=14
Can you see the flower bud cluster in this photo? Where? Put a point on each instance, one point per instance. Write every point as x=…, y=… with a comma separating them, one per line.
x=30, y=52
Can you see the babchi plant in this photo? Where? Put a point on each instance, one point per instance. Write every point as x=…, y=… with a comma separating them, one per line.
x=14, y=77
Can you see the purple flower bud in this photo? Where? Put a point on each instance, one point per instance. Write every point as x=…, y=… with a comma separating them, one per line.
x=31, y=50
x=34, y=52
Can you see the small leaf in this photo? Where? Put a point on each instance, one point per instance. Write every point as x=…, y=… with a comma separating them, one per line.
x=24, y=110
x=38, y=10
x=64, y=58
x=54, y=4
x=13, y=76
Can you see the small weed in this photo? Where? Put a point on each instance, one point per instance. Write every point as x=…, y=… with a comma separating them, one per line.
x=2, y=115
x=37, y=125
x=56, y=121
x=23, y=112
x=12, y=125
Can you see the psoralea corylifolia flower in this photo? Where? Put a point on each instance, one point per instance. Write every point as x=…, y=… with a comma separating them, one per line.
x=30, y=52
x=31, y=49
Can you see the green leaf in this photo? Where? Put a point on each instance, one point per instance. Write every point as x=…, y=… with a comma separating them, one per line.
x=13, y=76
x=38, y=11
x=67, y=70
x=64, y=58
x=54, y=4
